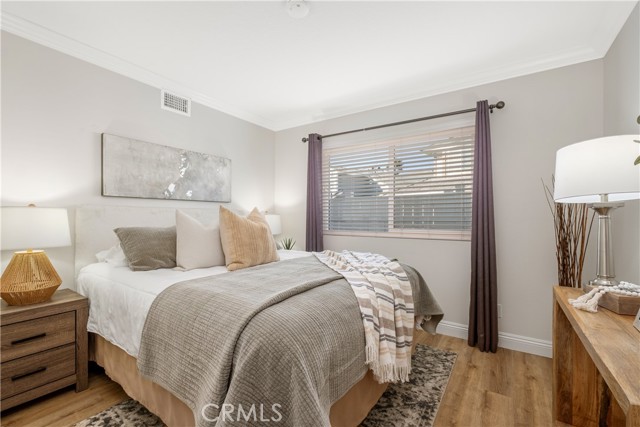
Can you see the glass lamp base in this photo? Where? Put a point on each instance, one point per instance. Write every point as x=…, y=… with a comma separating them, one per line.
x=603, y=281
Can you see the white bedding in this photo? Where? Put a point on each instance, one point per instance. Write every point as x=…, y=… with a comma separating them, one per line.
x=119, y=299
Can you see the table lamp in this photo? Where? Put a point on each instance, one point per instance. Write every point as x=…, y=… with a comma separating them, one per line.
x=30, y=278
x=275, y=224
x=602, y=173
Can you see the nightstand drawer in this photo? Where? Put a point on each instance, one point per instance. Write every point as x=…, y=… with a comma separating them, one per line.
x=29, y=372
x=32, y=336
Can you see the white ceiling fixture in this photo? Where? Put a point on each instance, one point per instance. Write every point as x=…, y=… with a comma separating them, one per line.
x=253, y=61
x=297, y=8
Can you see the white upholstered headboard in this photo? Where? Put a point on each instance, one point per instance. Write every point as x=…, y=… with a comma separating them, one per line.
x=95, y=224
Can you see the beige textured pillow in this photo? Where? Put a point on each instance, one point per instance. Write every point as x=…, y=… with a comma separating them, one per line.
x=246, y=241
x=148, y=248
x=197, y=246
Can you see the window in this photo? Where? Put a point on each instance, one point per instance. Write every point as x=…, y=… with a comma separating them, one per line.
x=418, y=186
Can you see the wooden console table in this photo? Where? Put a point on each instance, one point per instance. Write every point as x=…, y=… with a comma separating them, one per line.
x=596, y=365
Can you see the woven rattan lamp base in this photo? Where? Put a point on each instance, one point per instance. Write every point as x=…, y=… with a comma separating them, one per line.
x=29, y=279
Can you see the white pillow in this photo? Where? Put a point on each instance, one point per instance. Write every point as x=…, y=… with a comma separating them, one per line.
x=114, y=256
x=197, y=246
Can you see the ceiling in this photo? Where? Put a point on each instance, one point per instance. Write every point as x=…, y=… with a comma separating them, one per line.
x=252, y=60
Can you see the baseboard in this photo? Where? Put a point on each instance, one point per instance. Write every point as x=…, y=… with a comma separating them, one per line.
x=505, y=340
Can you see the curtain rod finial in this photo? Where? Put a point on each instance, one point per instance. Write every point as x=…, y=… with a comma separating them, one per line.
x=304, y=140
x=499, y=105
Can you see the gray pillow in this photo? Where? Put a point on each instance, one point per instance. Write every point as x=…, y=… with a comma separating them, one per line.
x=148, y=248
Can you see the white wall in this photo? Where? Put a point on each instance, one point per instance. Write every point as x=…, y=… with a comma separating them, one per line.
x=544, y=111
x=54, y=108
x=621, y=110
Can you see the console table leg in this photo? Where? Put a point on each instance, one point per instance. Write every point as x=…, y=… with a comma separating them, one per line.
x=562, y=366
x=580, y=394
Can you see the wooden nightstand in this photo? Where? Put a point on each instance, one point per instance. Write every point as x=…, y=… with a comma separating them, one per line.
x=44, y=347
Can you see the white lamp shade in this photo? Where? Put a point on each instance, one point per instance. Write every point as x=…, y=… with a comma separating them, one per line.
x=274, y=223
x=34, y=228
x=588, y=169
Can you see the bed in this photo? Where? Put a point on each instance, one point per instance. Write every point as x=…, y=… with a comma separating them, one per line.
x=120, y=300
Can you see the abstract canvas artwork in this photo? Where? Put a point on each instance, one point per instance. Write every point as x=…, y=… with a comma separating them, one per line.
x=132, y=168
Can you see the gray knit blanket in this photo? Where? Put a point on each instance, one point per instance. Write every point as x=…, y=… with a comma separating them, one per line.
x=277, y=343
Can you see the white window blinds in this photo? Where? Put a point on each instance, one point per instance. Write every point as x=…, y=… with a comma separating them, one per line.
x=418, y=186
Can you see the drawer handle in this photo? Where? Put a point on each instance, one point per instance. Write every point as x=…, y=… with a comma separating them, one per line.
x=35, y=371
x=23, y=340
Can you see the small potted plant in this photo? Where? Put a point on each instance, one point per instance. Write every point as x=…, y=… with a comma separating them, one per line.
x=287, y=243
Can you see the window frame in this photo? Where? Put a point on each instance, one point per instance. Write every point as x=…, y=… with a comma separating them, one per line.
x=392, y=143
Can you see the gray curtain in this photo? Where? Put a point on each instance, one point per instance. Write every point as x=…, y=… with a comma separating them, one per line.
x=483, y=309
x=314, y=194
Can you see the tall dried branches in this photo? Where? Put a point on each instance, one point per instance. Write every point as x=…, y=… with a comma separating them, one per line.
x=570, y=221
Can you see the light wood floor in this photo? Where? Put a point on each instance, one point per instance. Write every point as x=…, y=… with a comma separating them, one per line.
x=507, y=389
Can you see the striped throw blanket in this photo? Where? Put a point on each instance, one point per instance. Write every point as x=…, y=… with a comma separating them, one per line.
x=386, y=303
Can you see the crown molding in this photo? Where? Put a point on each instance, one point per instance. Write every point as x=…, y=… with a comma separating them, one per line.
x=59, y=42
x=40, y=35
x=536, y=65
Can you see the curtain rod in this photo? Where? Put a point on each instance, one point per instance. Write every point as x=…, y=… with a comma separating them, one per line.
x=499, y=105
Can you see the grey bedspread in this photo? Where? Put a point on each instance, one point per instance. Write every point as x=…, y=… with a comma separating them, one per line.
x=274, y=343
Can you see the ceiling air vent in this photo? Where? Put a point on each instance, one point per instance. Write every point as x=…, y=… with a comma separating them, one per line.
x=177, y=104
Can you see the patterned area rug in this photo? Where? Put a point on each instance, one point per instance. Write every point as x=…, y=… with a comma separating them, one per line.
x=412, y=404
